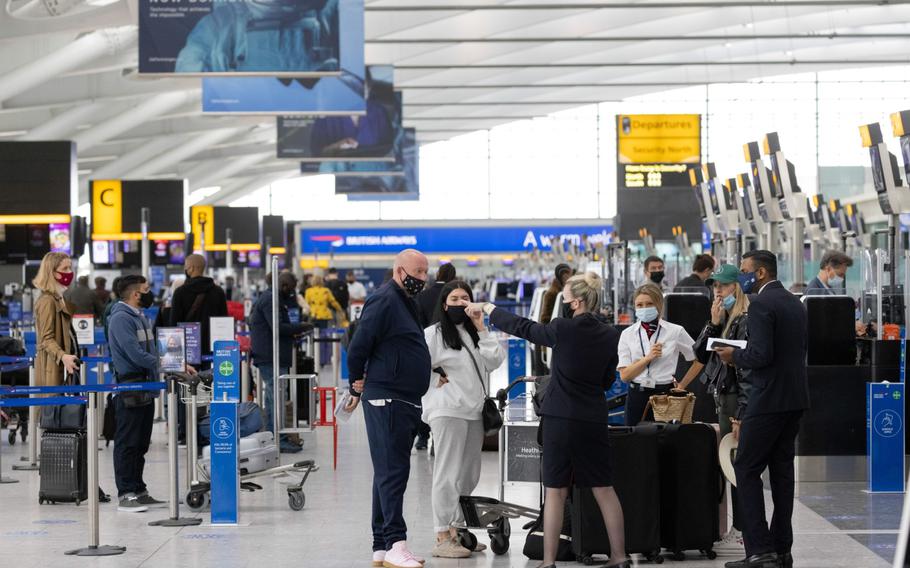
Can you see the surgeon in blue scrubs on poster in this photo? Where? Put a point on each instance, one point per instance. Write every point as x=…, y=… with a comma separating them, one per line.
x=264, y=36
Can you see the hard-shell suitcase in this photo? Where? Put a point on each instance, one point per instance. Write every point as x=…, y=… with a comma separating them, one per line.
x=637, y=483
x=64, y=459
x=256, y=453
x=691, y=488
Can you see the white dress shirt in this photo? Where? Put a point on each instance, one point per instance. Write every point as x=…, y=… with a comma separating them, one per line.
x=634, y=344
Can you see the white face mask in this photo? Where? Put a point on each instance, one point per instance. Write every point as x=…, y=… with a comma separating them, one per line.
x=646, y=315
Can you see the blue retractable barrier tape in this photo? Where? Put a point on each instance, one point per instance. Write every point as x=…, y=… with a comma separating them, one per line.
x=885, y=437
x=78, y=389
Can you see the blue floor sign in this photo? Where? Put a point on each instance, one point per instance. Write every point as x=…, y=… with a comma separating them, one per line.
x=885, y=442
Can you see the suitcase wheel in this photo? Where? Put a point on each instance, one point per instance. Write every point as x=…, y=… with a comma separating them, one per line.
x=12, y=437
x=586, y=560
x=296, y=499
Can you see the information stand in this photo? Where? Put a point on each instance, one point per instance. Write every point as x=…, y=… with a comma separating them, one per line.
x=885, y=431
x=225, y=434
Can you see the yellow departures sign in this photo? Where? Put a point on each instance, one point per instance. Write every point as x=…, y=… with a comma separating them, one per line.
x=658, y=138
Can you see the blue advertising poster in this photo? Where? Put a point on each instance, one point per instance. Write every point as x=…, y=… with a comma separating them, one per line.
x=446, y=239
x=885, y=436
x=231, y=37
x=226, y=380
x=15, y=310
x=158, y=277
x=518, y=365
x=345, y=138
x=193, y=342
x=408, y=181
x=342, y=94
x=224, y=437
x=294, y=315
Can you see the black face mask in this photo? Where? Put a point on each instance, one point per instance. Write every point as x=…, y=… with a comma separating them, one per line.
x=566, y=311
x=412, y=286
x=146, y=299
x=457, y=314
x=657, y=277
x=187, y=274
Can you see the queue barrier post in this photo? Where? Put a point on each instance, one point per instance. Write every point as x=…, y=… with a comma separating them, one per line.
x=31, y=461
x=173, y=455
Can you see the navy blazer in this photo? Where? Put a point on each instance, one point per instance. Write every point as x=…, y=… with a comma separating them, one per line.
x=776, y=352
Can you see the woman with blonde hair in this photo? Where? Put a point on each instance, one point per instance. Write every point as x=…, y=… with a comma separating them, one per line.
x=322, y=302
x=729, y=317
x=56, y=340
x=574, y=411
x=649, y=351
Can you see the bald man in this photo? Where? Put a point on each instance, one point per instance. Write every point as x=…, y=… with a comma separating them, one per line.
x=389, y=366
x=198, y=299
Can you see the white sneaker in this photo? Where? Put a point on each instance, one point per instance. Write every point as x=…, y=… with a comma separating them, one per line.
x=401, y=557
x=731, y=543
x=378, y=558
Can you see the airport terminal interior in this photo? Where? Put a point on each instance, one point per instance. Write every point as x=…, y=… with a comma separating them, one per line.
x=224, y=224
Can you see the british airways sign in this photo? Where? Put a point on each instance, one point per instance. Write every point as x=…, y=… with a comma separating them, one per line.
x=445, y=240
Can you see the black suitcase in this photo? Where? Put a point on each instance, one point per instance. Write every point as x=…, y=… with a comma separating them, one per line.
x=691, y=486
x=305, y=366
x=63, y=467
x=637, y=483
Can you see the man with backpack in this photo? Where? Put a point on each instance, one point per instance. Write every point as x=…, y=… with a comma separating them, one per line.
x=198, y=300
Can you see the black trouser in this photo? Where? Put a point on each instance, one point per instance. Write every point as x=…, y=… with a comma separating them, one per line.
x=637, y=400
x=131, y=442
x=767, y=441
x=423, y=432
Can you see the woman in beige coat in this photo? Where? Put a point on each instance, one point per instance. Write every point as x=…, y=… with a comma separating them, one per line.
x=56, y=348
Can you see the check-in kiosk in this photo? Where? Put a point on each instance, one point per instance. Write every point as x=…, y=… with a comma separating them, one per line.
x=752, y=225
x=785, y=189
x=768, y=206
x=699, y=178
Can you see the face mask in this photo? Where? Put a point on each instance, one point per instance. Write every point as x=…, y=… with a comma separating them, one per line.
x=566, y=311
x=457, y=314
x=657, y=277
x=729, y=302
x=747, y=281
x=64, y=278
x=412, y=286
x=646, y=315
x=835, y=281
x=146, y=299
x=187, y=274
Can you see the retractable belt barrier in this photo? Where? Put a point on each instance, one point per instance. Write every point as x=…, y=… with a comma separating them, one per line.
x=91, y=402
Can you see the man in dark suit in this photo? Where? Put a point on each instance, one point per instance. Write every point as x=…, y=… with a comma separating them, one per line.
x=776, y=356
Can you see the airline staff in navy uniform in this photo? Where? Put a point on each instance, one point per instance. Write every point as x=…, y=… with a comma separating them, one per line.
x=776, y=356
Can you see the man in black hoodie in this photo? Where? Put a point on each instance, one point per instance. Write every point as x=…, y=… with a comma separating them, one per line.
x=198, y=299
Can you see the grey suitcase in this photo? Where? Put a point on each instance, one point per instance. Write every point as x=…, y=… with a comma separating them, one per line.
x=63, y=467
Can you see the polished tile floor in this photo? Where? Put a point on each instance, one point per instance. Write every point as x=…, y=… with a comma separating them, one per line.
x=836, y=524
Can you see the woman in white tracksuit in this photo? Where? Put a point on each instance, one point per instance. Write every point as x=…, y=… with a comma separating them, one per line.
x=463, y=353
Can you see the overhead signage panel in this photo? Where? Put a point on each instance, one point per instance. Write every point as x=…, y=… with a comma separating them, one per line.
x=447, y=239
x=293, y=38
x=342, y=94
x=117, y=209
x=658, y=138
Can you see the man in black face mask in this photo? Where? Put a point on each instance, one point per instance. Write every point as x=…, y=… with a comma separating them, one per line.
x=389, y=366
x=261, y=328
x=198, y=300
x=135, y=359
x=654, y=272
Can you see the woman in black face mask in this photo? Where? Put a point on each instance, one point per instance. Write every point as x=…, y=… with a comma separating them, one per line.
x=463, y=353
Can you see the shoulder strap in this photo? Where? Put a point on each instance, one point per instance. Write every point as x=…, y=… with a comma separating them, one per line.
x=483, y=383
x=197, y=303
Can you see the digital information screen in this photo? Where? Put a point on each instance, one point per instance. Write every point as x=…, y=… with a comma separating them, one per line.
x=654, y=175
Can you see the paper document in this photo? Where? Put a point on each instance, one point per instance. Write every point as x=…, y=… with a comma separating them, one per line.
x=340, y=413
x=716, y=342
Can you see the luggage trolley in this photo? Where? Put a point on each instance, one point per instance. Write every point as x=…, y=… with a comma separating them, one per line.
x=486, y=513
x=195, y=393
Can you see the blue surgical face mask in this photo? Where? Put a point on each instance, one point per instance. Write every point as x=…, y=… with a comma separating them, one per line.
x=835, y=281
x=729, y=302
x=646, y=315
x=747, y=281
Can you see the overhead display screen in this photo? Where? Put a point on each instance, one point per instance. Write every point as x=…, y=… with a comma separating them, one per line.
x=292, y=38
x=36, y=181
x=653, y=155
x=213, y=222
x=322, y=96
x=117, y=209
x=345, y=138
x=406, y=181
x=273, y=231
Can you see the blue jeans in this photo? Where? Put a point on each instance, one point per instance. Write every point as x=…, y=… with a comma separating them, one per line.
x=390, y=432
x=267, y=373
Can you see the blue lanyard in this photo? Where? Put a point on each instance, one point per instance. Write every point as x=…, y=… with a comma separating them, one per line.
x=642, y=344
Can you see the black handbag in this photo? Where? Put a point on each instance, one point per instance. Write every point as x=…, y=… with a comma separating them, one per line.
x=135, y=399
x=64, y=417
x=492, y=418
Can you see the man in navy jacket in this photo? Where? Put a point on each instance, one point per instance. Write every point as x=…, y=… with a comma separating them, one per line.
x=776, y=356
x=389, y=366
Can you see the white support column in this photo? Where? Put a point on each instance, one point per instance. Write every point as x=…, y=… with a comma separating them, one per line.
x=62, y=125
x=81, y=51
x=150, y=108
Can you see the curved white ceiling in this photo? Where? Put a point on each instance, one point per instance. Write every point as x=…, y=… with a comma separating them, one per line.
x=463, y=65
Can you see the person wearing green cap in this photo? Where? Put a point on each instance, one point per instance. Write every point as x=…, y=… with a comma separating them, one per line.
x=729, y=314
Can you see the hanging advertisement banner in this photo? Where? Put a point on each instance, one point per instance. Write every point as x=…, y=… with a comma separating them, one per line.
x=405, y=182
x=323, y=96
x=290, y=38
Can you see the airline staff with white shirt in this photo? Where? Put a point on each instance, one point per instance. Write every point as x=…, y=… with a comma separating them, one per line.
x=648, y=353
